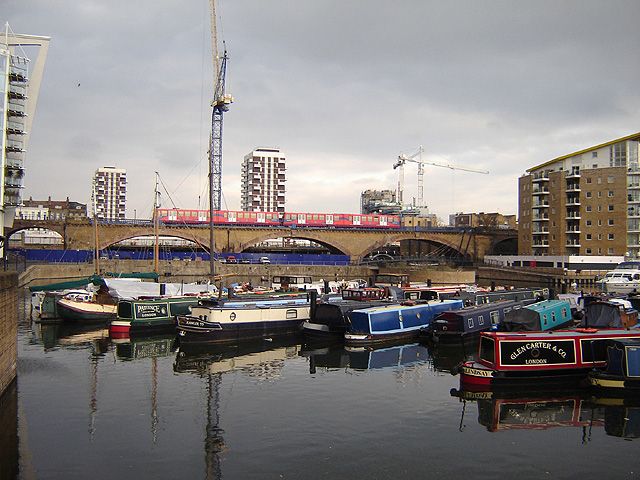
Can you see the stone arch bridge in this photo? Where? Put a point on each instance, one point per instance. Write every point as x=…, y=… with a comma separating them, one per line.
x=471, y=244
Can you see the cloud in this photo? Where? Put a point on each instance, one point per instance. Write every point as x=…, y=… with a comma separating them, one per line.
x=341, y=86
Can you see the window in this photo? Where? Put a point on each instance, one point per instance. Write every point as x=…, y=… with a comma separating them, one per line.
x=599, y=222
x=588, y=194
x=610, y=179
x=599, y=208
x=599, y=238
x=610, y=221
x=544, y=318
x=588, y=208
x=610, y=193
x=480, y=320
x=611, y=236
x=588, y=236
x=611, y=208
x=588, y=223
x=588, y=251
x=599, y=194
x=495, y=317
x=588, y=180
x=594, y=154
x=599, y=180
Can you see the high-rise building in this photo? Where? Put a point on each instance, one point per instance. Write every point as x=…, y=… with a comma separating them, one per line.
x=109, y=193
x=583, y=203
x=379, y=201
x=20, y=80
x=263, y=180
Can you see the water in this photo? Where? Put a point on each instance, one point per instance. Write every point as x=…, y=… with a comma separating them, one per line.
x=91, y=408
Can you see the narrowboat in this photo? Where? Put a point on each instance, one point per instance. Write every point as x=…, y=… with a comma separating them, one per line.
x=537, y=359
x=469, y=321
x=329, y=316
x=539, y=317
x=393, y=322
x=149, y=315
x=516, y=294
x=214, y=322
x=623, y=367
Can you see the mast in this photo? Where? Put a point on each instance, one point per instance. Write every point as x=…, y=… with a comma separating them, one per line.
x=96, y=244
x=156, y=246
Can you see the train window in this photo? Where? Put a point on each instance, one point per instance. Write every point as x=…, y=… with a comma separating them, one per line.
x=253, y=215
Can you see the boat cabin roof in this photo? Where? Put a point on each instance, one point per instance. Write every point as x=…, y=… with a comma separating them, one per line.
x=363, y=294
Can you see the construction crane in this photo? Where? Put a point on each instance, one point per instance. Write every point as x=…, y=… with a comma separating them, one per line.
x=220, y=103
x=402, y=159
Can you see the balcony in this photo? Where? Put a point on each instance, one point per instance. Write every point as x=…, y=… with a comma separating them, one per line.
x=540, y=191
x=538, y=245
x=573, y=188
x=573, y=216
x=573, y=202
x=572, y=244
x=572, y=231
x=543, y=218
x=574, y=173
x=540, y=177
x=540, y=232
x=541, y=205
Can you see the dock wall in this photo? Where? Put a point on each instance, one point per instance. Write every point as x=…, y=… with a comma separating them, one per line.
x=8, y=328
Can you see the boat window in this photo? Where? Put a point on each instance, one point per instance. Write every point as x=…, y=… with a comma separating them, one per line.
x=553, y=317
x=124, y=310
x=564, y=313
x=487, y=352
x=470, y=322
x=506, y=310
x=636, y=276
x=544, y=319
x=495, y=316
x=480, y=320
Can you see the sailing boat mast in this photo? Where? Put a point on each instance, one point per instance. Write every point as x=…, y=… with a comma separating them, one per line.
x=96, y=243
x=156, y=243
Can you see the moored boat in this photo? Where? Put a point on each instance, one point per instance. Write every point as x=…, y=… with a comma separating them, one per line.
x=535, y=359
x=539, y=316
x=470, y=321
x=329, y=316
x=85, y=311
x=212, y=322
x=622, y=373
x=393, y=322
x=149, y=315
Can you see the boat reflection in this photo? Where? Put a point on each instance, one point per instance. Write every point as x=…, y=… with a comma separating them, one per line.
x=500, y=411
x=133, y=348
x=61, y=335
x=448, y=355
x=262, y=358
x=337, y=356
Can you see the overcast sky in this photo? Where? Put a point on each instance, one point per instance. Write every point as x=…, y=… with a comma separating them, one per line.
x=341, y=86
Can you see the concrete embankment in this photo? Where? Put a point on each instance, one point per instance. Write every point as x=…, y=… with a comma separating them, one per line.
x=180, y=271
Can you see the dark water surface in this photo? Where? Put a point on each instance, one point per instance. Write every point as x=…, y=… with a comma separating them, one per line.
x=88, y=407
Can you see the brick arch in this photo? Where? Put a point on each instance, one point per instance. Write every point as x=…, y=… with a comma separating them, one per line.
x=23, y=226
x=434, y=238
x=268, y=235
x=145, y=233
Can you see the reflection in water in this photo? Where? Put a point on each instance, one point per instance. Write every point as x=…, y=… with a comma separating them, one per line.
x=500, y=411
x=261, y=359
x=334, y=356
x=155, y=346
x=9, y=433
x=448, y=355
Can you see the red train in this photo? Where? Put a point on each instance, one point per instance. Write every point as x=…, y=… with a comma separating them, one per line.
x=287, y=219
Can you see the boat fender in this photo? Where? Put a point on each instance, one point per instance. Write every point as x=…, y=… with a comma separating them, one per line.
x=586, y=330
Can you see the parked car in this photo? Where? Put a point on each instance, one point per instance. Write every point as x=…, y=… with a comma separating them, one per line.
x=231, y=259
x=264, y=260
x=245, y=260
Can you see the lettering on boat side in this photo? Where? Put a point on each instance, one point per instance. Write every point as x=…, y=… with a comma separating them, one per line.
x=151, y=311
x=538, y=352
x=476, y=372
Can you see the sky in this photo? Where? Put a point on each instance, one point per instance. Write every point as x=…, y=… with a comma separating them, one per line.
x=342, y=87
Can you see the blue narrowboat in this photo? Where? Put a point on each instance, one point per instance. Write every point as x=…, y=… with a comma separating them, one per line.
x=539, y=317
x=393, y=322
x=472, y=320
x=623, y=367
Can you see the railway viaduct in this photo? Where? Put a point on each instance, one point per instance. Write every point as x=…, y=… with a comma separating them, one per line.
x=471, y=244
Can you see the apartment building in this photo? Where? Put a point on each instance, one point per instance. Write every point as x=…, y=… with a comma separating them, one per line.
x=583, y=203
x=263, y=180
x=109, y=193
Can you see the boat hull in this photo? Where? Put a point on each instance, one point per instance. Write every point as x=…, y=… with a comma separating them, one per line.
x=220, y=325
x=605, y=381
x=393, y=323
x=85, y=311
